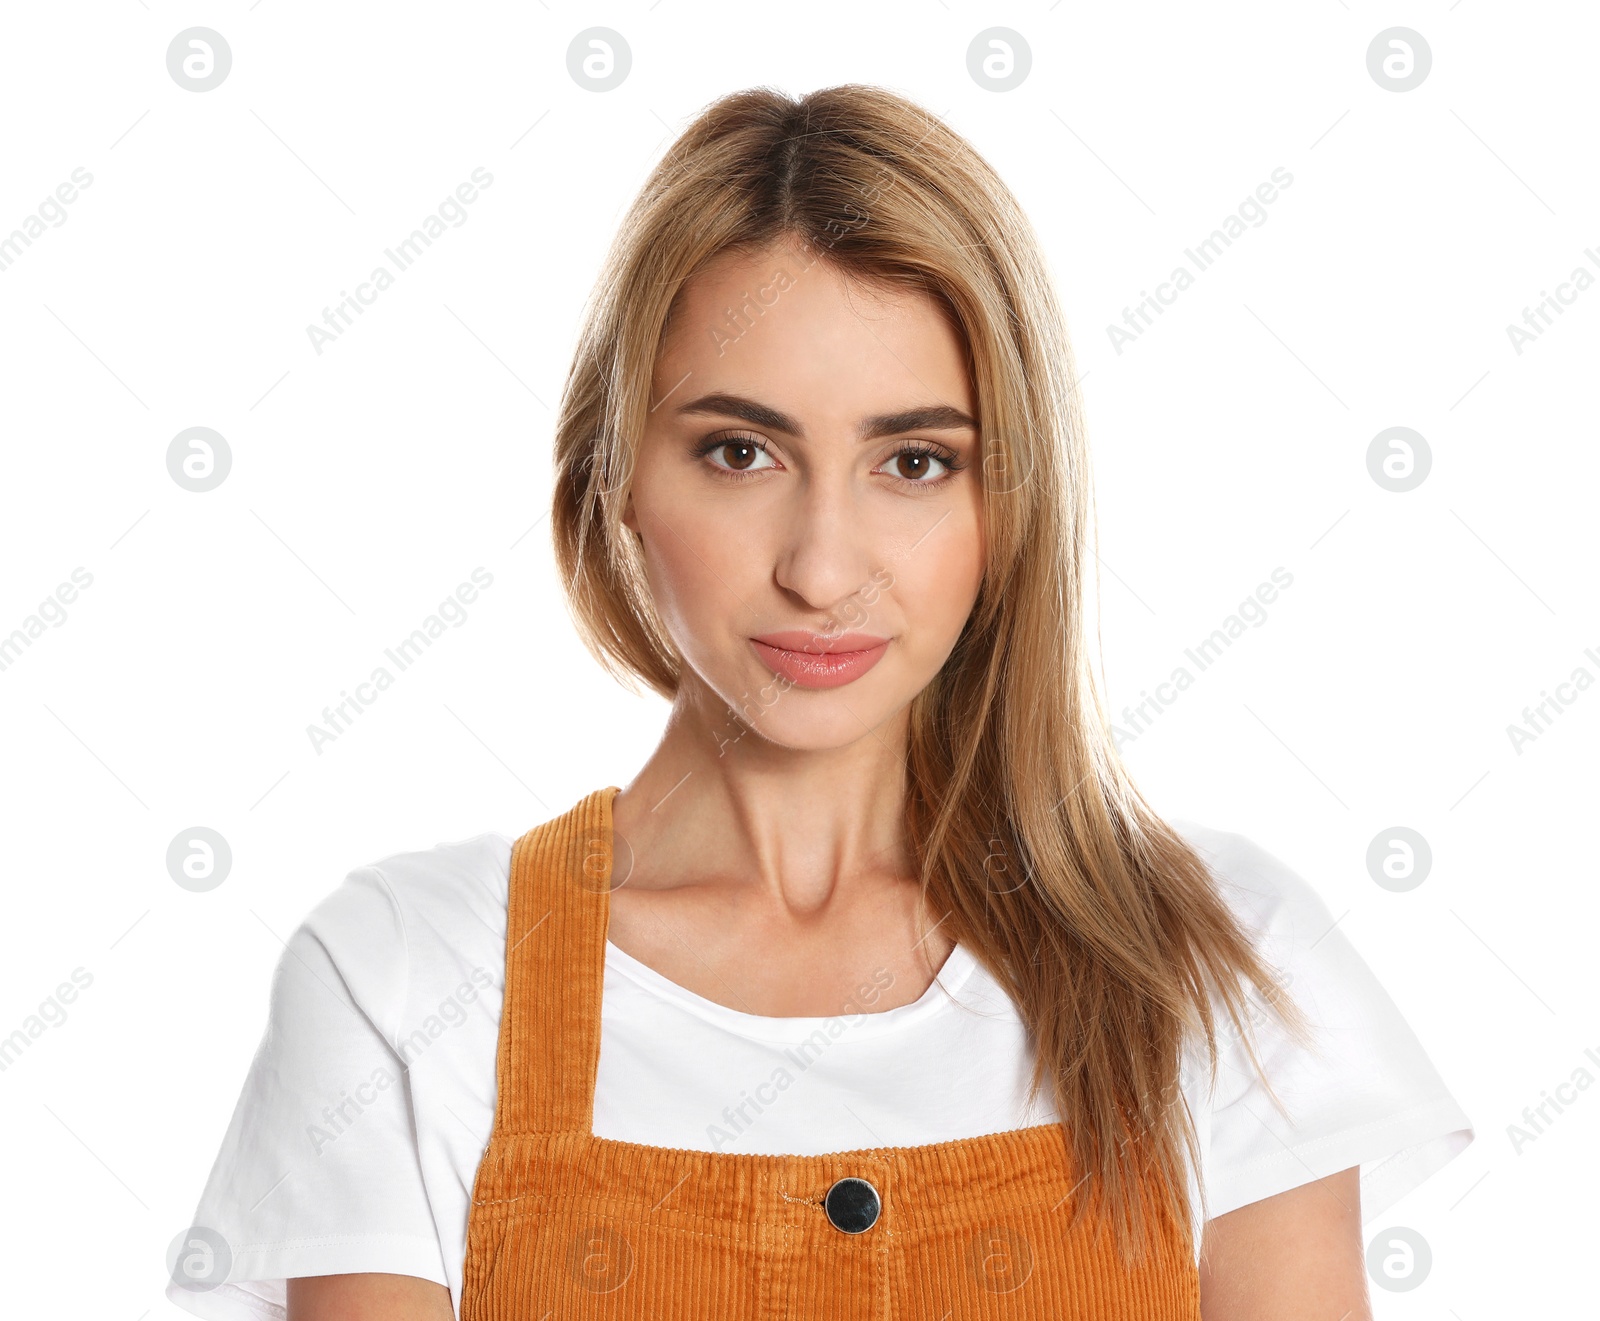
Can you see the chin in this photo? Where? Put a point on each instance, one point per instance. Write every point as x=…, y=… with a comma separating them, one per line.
x=792, y=715
x=830, y=719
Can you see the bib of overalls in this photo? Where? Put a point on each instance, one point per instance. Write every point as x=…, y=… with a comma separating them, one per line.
x=568, y=1226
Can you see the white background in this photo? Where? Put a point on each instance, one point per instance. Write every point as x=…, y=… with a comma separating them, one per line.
x=368, y=481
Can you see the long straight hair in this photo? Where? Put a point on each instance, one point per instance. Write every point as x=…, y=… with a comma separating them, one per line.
x=1100, y=921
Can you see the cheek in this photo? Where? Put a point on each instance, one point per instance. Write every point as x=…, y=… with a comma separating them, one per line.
x=696, y=571
x=934, y=589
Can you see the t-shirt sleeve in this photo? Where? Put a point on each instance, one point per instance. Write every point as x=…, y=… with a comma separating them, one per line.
x=1365, y=1095
x=319, y=1172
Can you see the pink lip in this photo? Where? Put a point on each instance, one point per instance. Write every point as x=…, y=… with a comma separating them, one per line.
x=814, y=660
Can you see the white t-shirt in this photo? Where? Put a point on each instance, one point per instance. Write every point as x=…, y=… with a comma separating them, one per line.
x=357, y=1137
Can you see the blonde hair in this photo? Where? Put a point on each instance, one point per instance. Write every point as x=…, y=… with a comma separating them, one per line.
x=1101, y=922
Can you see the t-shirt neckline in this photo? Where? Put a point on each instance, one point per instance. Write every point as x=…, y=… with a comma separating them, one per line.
x=957, y=968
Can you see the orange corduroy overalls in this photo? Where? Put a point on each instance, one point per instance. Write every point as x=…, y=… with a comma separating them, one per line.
x=567, y=1226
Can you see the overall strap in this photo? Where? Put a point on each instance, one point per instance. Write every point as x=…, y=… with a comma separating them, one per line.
x=557, y=915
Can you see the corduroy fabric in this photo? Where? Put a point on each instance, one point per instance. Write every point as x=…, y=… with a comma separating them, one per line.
x=567, y=1226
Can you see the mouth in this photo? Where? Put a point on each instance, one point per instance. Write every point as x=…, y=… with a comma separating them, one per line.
x=813, y=660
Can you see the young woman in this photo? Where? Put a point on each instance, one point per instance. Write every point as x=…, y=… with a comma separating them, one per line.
x=879, y=991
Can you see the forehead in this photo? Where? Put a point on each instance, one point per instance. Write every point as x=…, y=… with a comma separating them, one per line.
x=784, y=325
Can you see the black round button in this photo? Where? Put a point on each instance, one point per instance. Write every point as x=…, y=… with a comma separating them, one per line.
x=852, y=1206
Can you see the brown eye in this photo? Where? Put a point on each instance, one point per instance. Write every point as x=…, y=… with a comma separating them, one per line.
x=912, y=465
x=733, y=457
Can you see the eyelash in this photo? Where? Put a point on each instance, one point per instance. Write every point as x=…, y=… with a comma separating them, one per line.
x=952, y=463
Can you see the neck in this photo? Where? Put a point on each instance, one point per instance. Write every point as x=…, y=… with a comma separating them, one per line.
x=717, y=800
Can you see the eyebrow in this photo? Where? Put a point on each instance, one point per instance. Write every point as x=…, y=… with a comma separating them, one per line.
x=929, y=417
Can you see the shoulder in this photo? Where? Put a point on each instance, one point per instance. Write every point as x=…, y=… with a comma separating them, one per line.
x=466, y=878
x=450, y=882
x=398, y=926
x=1264, y=892
x=1363, y=1092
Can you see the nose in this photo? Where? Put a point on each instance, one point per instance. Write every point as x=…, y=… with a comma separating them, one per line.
x=826, y=544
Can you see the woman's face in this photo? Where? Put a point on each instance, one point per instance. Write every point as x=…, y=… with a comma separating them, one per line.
x=810, y=475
